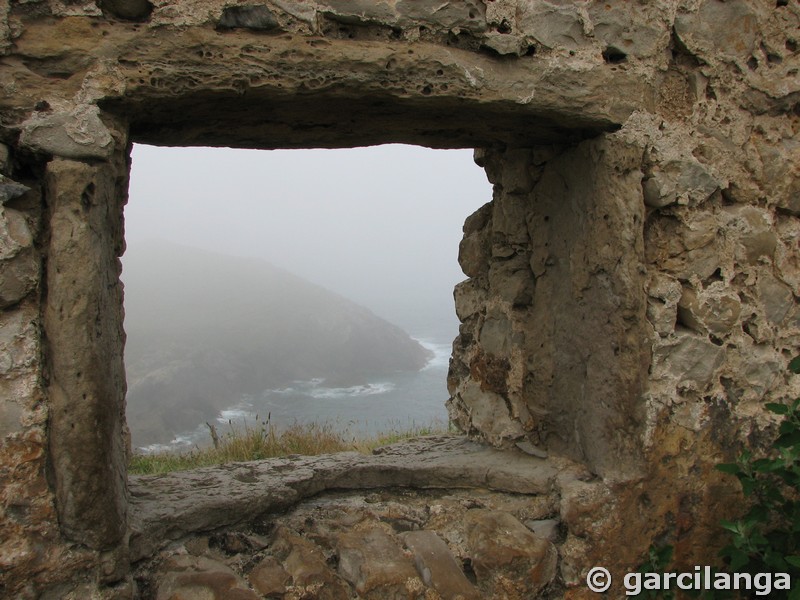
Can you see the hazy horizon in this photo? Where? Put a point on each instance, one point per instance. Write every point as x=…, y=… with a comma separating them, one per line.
x=379, y=225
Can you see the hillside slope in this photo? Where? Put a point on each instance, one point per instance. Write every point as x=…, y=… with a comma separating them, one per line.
x=204, y=328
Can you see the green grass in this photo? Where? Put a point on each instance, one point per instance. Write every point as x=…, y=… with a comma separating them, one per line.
x=267, y=441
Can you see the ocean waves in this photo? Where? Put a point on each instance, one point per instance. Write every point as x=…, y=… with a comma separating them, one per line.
x=314, y=389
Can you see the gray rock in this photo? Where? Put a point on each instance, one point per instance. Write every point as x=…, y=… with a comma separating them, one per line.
x=627, y=27
x=437, y=567
x=170, y=506
x=662, y=305
x=715, y=311
x=469, y=299
x=374, y=564
x=305, y=562
x=753, y=230
x=685, y=181
x=189, y=577
x=691, y=359
x=10, y=189
x=552, y=26
x=19, y=276
x=468, y=15
x=700, y=31
x=528, y=448
x=506, y=44
x=501, y=546
x=776, y=298
x=87, y=377
x=257, y=17
x=546, y=529
x=79, y=134
x=359, y=11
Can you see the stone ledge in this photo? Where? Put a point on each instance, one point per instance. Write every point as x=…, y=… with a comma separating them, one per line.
x=168, y=507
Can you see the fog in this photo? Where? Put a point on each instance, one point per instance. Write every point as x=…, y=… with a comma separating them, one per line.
x=378, y=225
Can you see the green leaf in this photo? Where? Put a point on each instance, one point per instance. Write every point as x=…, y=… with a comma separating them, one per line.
x=730, y=468
x=738, y=559
x=766, y=465
x=793, y=560
x=664, y=555
x=794, y=365
x=731, y=526
x=778, y=409
x=788, y=439
x=748, y=485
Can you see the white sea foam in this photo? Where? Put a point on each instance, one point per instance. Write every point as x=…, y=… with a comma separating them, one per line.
x=313, y=388
x=178, y=442
x=236, y=413
x=355, y=391
x=441, y=354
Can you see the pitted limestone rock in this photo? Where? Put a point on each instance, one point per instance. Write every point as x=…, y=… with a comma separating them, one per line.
x=633, y=287
x=78, y=134
x=508, y=558
x=388, y=543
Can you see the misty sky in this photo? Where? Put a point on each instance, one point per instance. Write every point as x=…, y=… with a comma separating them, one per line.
x=378, y=225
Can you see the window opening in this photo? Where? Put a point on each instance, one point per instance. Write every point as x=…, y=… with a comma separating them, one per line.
x=223, y=245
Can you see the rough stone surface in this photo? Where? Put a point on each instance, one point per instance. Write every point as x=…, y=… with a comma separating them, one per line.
x=375, y=565
x=175, y=505
x=86, y=384
x=384, y=543
x=437, y=567
x=557, y=299
x=78, y=134
x=632, y=288
x=507, y=556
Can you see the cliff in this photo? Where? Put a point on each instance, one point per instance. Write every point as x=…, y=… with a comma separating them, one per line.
x=204, y=328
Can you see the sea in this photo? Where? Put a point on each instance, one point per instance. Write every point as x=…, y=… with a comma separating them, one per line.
x=398, y=402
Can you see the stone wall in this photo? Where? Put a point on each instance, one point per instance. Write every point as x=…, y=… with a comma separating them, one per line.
x=632, y=285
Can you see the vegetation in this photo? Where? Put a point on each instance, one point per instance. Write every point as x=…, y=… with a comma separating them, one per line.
x=268, y=441
x=766, y=539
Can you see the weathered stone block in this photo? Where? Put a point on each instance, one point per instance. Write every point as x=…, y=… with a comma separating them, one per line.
x=700, y=31
x=437, y=567
x=684, y=181
x=629, y=28
x=469, y=15
x=374, y=564
x=16, y=233
x=690, y=359
x=557, y=27
x=662, y=306
x=257, y=17
x=189, y=578
x=19, y=276
x=78, y=134
x=87, y=380
x=713, y=310
x=469, y=299
x=306, y=564
x=500, y=545
x=776, y=298
x=269, y=578
x=10, y=189
x=753, y=231
x=485, y=411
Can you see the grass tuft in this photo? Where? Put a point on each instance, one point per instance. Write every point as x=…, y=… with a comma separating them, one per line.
x=268, y=441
